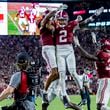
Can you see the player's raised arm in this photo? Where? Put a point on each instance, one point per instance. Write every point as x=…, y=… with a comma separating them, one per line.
x=84, y=52
x=47, y=17
x=51, y=14
x=93, y=17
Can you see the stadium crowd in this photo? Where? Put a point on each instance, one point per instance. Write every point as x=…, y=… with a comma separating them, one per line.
x=11, y=45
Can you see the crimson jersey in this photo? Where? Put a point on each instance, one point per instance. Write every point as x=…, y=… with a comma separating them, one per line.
x=103, y=66
x=31, y=18
x=64, y=35
x=46, y=36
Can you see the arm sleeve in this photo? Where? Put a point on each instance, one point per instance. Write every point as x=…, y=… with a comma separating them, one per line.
x=74, y=23
x=15, y=80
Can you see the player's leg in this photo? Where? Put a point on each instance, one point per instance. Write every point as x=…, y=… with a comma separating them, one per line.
x=50, y=94
x=88, y=99
x=102, y=96
x=26, y=25
x=20, y=22
x=32, y=28
x=49, y=56
x=52, y=77
x=52, y=90
x=66, y=100
x=48, y=53
x=35, y=28
x=62, y=73
x=71, y=64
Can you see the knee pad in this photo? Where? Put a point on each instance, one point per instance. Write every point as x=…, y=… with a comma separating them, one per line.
x=99, y=106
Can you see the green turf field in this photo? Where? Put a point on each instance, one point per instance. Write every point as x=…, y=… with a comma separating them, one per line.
x=12, y=29
x=56, y=104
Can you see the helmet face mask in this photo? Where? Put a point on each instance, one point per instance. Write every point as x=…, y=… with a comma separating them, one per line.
x=61, y=18
x=62, y=22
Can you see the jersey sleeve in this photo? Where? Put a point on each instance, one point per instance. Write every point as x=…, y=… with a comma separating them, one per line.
x=73, y=23
x=15, y=80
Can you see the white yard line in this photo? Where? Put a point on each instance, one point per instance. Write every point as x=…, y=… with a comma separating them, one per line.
x=15, y=24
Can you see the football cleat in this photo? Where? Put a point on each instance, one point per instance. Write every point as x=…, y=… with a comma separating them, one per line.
x=45, y=106
x=83, y=102
x=45, y=97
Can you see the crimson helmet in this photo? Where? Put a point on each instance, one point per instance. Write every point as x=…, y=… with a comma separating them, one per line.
x=105, y=44
x=34, y=5
x=22, y=8
x=61, y=17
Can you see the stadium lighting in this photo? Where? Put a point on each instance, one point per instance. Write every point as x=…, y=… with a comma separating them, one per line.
x=93, y=11
x=105, y=11
x=91, y=24
x=102, y=23
x=80, y=12
x=98, y=23
x=108, y=23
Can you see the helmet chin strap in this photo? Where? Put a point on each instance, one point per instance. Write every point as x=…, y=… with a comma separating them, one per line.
x=63, y=25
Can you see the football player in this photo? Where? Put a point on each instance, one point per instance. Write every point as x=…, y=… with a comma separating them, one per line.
x=49, y=54
x=102, y=60
x=21, y=15
x=64, y=49
x=32, y=23
x=48, y=45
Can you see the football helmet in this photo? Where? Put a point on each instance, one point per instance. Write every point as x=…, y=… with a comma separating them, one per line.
x=105, y=44
x=34, y=5
x=22, y=8
x=61, y=18
x=22, y=60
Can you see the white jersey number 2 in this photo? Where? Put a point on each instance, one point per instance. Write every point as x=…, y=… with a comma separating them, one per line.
x=63, y=36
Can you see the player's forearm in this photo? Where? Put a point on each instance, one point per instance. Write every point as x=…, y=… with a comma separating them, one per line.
x=4, y=94
x=88, y=20
x=93, y=17
x=47, y=17
x=86, y=54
